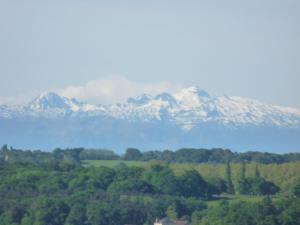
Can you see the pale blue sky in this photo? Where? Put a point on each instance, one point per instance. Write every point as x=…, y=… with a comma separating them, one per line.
x=246, y=48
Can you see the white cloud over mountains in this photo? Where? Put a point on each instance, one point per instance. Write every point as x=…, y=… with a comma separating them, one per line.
x=115, y=88
x=105, y=90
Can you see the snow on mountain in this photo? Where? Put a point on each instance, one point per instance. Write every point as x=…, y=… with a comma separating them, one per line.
x=192, y=105
x=191, y=97
x=52, y=100
x=186, y=109
x=188, y=118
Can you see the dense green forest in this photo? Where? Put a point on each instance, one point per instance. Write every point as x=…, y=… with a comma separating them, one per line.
x=61, y=188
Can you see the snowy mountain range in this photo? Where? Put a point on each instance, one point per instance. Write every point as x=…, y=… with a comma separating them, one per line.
x=188, y=118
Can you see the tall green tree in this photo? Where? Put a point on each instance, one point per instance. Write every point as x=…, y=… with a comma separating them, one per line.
x=132, y=154
x=171, y=212
x=243, y=171
x=163, y=178
x=229, y=184
x=257, y=173
x=243, y=185
x=193, y=185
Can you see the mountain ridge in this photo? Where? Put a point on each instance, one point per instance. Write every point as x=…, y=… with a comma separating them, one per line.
x=189, y=117
x=191, y=102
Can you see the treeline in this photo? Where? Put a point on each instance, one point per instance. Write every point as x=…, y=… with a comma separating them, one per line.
x=190, y=155
x=66, y=193
x=185, y=155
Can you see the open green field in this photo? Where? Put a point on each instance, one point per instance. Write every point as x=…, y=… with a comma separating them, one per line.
x=235, y=198
x=283, y=175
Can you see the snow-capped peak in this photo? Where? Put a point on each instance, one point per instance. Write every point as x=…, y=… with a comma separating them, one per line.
x=191, y=96
x=187, y=108
x=194, y=90
x=51, y=100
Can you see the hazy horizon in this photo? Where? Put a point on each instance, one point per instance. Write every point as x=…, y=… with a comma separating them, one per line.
x=249, y=49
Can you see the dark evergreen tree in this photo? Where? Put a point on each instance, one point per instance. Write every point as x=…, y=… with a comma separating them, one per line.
x=257, y=173
x=243, y=171
x=230, y=187
x=243, y=185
